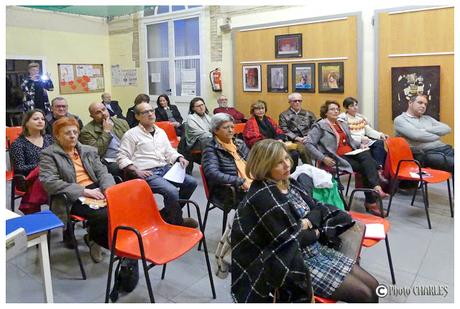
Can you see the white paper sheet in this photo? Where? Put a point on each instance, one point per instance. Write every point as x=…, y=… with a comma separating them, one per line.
x=356, y=151
x=375, y=231
x=176, y=173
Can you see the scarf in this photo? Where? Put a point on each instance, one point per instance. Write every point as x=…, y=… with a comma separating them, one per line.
x=240, y=162
x=265, y=127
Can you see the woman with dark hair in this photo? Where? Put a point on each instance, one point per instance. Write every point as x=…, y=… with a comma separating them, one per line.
x=261, y=126
x=25, y=154
x=130, y=115
x=198, y=125
x=276, y=237
x=167, y=112
x=76, y=170
x=362, y=132
x=329, y=141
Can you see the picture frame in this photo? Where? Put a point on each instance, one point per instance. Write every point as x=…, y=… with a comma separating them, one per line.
x=409, y=81
x=252, y=78
x=331, y=77
x=277, y=78
x=303, y=77
x=288, y=45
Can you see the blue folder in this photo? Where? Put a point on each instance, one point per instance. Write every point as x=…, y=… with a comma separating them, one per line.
x=35, y=223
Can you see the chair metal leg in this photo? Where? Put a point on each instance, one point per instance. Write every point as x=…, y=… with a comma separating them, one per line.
x=426, y=192
x=208, y=265
x=147, y=280
x=413, y=196
x=393, y=190
x=163, y=272
x=390, y=262
x=450, y=199
x=109, y=276
x=204, y=222
x=71, y=227
x=224, y=220
x=425, y=202
x=348, y=184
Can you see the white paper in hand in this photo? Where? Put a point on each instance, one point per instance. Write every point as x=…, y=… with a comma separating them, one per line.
x=176, y=173
x=375, y=231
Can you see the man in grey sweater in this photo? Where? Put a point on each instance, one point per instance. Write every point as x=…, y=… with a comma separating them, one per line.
x=424, y=135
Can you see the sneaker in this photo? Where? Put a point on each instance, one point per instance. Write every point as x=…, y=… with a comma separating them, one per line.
x=190, y=222
x=95, y=251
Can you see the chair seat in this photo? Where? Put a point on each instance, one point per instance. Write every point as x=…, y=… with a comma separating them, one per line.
x=436, y=176
x=161, y=245
x=370, y=219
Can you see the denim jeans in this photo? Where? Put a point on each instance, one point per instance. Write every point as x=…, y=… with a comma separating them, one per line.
x=171, y=192
x=441, y=158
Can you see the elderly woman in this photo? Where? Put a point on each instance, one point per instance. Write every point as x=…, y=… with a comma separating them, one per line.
x=25, y=154
x=275, y=239
x=329, y=141
x=224, y=160
x=168, y=112
x=76, y=170
x=362, y=132
x=261, y=126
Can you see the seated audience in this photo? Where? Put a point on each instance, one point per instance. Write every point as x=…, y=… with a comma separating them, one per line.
x=423, y=133
x=130, y=115
x=76, y=170
x=59, y=109
x=261, y=126
x=276, y=237
x=167, y=112
x=330, y=139
x=113, y=107
x=224, y=161
x=361, y=131
x=295, y=123
x=145, y=152
x=25, y=154
x=223, y=108
x=104, y=133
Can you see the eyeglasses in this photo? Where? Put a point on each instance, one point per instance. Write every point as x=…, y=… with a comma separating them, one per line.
x=149, y=111
x=199, y=105
x=296, y=101
x=61, y=106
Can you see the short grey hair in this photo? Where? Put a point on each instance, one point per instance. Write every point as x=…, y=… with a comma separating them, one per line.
x=58, y=99
x=218, y=119
x=291, y=96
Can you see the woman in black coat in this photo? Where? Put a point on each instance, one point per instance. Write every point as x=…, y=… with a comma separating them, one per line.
x=224, y=161
x=167, y=112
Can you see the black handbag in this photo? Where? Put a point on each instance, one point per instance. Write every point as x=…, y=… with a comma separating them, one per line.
x=126, y=277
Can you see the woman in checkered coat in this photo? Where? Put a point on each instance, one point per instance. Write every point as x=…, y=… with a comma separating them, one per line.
x=275, y=240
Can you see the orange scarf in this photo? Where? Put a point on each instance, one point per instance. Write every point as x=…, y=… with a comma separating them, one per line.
x=240, y=162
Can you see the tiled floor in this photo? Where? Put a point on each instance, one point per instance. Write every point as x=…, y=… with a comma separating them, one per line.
x=423, y=259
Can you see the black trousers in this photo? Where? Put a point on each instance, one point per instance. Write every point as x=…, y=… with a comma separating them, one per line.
x=364, y=164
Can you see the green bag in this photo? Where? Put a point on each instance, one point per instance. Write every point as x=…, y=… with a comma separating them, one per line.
x=329, y=195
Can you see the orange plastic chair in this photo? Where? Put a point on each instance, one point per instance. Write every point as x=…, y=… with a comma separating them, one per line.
x=139, y=232
x=12, y=133
x=168, y=127
x=371, y=219
x=238, y=130
x=400, y=165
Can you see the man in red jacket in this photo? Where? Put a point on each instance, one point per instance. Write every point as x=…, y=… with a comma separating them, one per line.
x=223, y=108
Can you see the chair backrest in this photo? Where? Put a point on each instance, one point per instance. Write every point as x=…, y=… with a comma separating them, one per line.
x=131, y=203
x=12, y=133
x=398, y=149
x=238, y=128
x=205, y=183
x=168, y=127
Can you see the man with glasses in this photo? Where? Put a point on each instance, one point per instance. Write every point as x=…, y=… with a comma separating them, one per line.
x=296, y=122
x=59, y=109
x=145, y=152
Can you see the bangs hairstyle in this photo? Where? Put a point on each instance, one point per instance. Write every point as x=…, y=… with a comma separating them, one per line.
x=325, y=107
x=263, y=157
x=64, y=122
x=258, y=104
x=165, y=97
x=26, y=118
x=141, y=98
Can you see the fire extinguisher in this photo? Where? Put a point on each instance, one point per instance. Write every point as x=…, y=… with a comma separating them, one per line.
x=216, y=82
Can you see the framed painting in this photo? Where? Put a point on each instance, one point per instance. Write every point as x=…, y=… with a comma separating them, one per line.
x=277, y=78
x=331, y=77
x=288, y=45
x=303, y=77
x=252, y=80
x=409, y=81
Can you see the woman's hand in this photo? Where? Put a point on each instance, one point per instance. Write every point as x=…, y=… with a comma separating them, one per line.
x=383, y=136
x=245, y=186
x=306, y=224
x=329, y=161
x=93, y=193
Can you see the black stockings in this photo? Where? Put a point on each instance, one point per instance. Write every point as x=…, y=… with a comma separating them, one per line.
x=358, y=287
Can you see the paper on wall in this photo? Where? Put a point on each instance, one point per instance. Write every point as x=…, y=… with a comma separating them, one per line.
x=188, y=89
x=188, y=75
x=155, y=78
x=66, y=72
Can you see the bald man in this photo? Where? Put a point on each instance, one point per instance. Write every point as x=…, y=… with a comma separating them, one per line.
x=104, y=133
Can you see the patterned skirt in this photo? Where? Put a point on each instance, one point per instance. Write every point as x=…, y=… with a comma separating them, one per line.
x=328, y=268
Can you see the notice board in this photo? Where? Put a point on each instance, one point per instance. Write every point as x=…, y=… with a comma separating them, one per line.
x=80, y=78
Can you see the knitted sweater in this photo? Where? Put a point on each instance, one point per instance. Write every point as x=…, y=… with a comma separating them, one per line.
x=359, y=126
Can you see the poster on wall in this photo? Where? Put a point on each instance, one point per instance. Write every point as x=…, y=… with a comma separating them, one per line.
x=252, y=78
x=288, y=45
x=331, y=77
x=303, y=77
x=80, y=78
x=409, y=81
x=277, y=78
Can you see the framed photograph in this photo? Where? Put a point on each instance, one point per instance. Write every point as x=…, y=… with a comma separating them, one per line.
x=409, y=81
x=277, y=78
x=331, y=77
x=252, y=80
x=303, y=77
x=288, y=45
